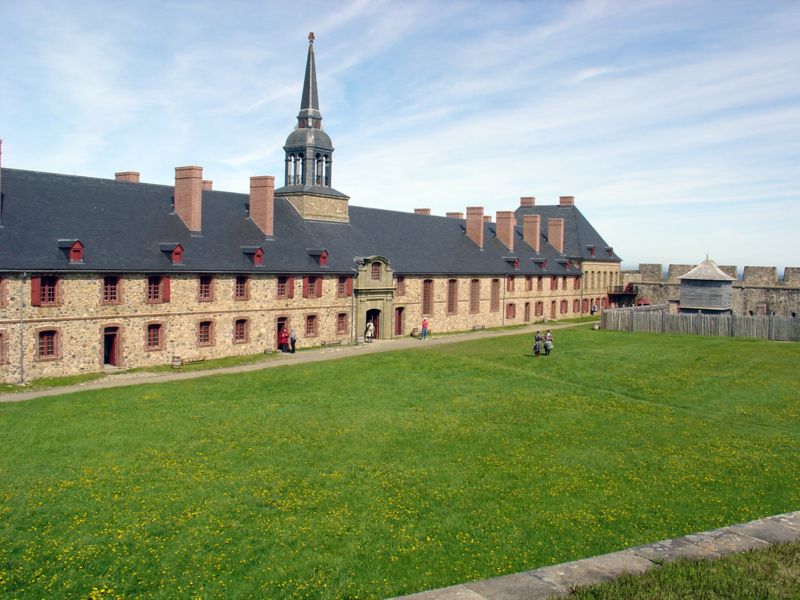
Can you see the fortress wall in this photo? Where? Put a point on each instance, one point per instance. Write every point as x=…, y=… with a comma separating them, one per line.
x=791, y=276
x=760, y=275
x=676, y=271
x=651, y=272
x=729, y=270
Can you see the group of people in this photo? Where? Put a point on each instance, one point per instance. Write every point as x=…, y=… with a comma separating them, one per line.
x=287, y=341
x=543, y=343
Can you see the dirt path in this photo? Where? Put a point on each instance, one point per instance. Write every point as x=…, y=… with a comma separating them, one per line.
x=308, y=356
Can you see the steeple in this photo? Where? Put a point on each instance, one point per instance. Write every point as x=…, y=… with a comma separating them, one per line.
x=309, y=103
x=309, y=157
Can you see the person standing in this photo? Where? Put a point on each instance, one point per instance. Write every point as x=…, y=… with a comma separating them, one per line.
x=369, y=333
x=424, y=335
x=283, y=340
x=548, y=343
x=292, y=341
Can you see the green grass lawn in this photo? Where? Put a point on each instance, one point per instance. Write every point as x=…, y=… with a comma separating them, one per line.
x=391, y=473
x=772, y=572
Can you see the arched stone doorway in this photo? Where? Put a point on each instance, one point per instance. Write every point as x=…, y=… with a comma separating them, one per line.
x=374, y=315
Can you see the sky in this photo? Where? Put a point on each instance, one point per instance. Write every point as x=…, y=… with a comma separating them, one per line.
x=675, y=124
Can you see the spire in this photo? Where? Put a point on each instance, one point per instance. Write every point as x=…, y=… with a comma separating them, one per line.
x=309, y=103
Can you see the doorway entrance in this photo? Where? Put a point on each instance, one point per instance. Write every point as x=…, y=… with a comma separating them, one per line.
x=399, y=325
x=527, y=312
x=553, y=309
x=110, y=346
x=373, y=314
x=280, y=323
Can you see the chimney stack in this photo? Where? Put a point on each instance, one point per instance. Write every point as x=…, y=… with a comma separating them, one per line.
x=422, y=211
x=130, y=176
x=566, y=200
x=505, y=228
x=531, y=230
x=262, y=203
x=455, y=215
x=208, y=185
x=188, y=196
x=475, y=225
x=555, y=234
x=527, y=201
x=487, y=218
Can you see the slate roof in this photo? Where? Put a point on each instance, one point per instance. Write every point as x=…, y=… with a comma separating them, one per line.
x=125, y=227
x=579, y=235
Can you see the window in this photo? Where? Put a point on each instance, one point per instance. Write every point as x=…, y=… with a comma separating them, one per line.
x=157, y=289
x=401, y=286
x=285, y=288
x=205, y=333
x=427, y=297
x=44, y=290
x=452, y=296
x=154, y=336
x=311, y=325
x=539, y=309
x=241, y=331
x=576, y=306
x=576, y=283
x=554, y=283
x=564, y=307
x=312, y=287
x=48, y=344
x=111, y=290
x=539, y=283
x=511, y=310
x=342, y=325
x=76, y=253
x=323, y=258
x=475, y=296
x=205, y=288
x=176, y=256
x=258, y=258
x=376, y=271
x=344, y=287
x=3, y=348
x=510, y=283
x=241, y=288
x=495, y=300
x=563, y=283
x=528, y=283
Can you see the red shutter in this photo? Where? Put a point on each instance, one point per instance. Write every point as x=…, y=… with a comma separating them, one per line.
x=305, y=287
x=349, y=286
x=36, y=291
x=290, y=287
x=318, y=291
x=165, y=289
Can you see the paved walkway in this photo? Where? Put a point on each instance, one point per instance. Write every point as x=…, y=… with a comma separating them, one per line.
x=558, y=580
x=278, y=360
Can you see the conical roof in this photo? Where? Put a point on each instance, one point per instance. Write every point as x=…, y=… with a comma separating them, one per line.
x=707, y=271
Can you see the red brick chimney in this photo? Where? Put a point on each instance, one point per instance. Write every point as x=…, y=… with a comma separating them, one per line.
x=188, y=196
x=566, y=200
x=532, y=230
x=422, y=211
x=475, y=225
x=208, y=185
x=555, y=234
x=527, y=201
x=262, y=203
x=454, y=215
x=505, y=228
x=130, y=176
x=487, y=218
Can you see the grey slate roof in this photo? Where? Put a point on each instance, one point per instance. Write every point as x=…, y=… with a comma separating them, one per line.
x=707, y=271
x=123, y=227
x=579, y=235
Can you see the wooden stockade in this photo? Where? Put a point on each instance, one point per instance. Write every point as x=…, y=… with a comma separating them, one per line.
x=655, y=319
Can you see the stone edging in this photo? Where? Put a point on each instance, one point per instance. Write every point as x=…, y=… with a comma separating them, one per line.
x=558, y=580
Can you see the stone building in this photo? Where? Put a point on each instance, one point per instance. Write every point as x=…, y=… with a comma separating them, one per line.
x=100, y=273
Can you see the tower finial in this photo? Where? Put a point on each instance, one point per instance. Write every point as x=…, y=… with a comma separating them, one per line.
x=310, y=37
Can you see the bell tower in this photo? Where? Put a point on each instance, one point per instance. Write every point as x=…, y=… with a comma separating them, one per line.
x=309, y=152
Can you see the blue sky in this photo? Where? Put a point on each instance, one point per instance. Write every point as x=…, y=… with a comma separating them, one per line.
x=676, y=125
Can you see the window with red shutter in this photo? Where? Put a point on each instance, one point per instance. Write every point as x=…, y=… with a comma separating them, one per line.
x=306, y=286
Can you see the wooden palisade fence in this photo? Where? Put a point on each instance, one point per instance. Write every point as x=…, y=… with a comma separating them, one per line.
x=655, y=319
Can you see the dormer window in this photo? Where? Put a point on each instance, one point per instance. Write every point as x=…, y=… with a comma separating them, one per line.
x=610, y=251
x=542, y=264
x=320, y=254
x=175, y=252
x=73, y=249
x=592, y=251
x=255, y=253
x=376, y=271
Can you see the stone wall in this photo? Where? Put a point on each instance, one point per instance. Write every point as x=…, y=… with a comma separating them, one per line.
x=758, y=292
